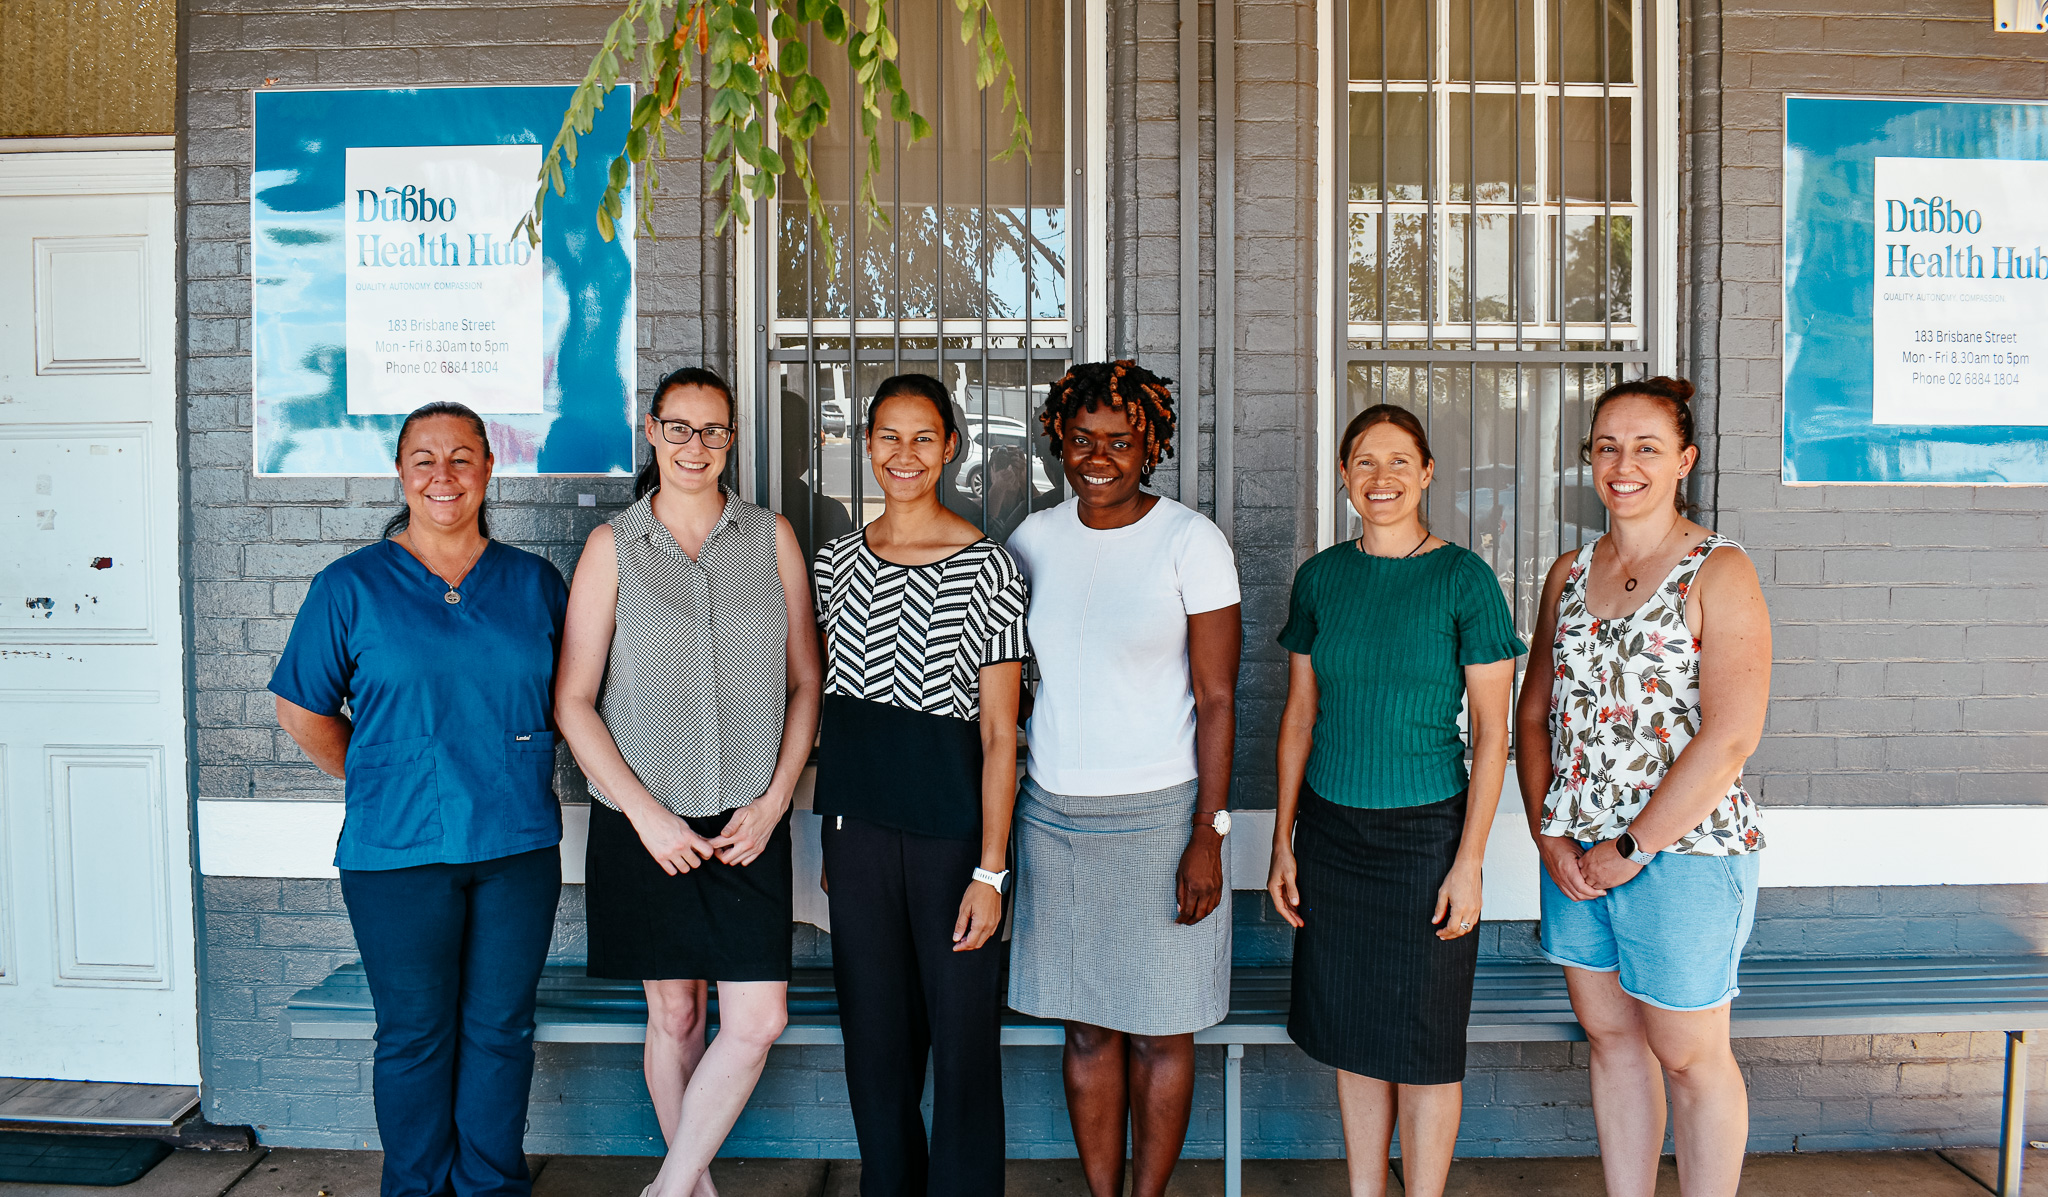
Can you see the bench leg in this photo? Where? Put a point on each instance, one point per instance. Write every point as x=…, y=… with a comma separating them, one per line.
x=1233, y=1120
x=2012, y=1133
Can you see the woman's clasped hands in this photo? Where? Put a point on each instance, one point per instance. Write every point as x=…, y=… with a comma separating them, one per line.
x=677, y=849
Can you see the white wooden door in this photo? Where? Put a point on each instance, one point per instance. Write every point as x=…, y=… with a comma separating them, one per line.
x=97, y=978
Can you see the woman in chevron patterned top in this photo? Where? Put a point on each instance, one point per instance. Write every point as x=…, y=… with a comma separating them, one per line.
x=917, y=772
x=689, y=694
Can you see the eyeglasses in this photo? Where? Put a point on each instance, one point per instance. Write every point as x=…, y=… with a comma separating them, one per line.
x=677, y=432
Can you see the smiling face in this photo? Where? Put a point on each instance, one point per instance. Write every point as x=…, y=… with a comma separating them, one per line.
x=690, y=468
x=908, y=444
x=1385, y=475
x=1638, y=460
x=445, y=467
x=1104, y=456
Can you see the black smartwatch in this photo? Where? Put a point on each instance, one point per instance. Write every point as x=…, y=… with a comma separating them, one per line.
x=1625, y=843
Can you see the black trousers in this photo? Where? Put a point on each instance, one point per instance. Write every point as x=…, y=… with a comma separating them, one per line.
x=903, y=992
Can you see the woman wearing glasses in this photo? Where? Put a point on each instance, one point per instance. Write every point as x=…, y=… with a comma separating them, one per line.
x=689, y=694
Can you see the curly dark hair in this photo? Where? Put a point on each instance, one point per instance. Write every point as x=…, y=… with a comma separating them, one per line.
x=1123, y=386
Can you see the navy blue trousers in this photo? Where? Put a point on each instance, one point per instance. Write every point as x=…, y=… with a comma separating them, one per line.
x=453, y=954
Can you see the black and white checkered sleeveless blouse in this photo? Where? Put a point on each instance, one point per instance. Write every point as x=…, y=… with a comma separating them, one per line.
x=697, y=681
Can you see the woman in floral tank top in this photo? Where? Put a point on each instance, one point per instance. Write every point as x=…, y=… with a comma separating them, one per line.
x=1648, y=678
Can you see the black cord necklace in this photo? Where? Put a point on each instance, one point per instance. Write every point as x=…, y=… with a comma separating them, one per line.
x=1360, y=542
x=1630, y=585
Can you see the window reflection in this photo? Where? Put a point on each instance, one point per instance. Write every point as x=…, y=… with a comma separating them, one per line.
x=1497, y=189
x=964, y=278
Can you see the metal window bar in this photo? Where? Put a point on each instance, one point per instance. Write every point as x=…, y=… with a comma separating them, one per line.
x=881, y=331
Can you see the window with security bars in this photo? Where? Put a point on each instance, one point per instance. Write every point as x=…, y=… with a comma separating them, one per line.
x=1491, y=270
x=967, y=280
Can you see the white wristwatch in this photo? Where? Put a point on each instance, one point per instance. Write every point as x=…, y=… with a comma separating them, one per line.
x=998, y=880
x=1218, y=822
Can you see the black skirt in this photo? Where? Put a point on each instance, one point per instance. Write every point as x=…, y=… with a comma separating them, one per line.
x=1375, y=991
x=713, y=923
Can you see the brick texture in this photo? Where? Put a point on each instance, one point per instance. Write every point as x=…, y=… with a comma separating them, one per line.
x=1911, y=665
x=1275, y=409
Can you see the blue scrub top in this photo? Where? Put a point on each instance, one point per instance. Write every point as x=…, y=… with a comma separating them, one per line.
x=453, y=755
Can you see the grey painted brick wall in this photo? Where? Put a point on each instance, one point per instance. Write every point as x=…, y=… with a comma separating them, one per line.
x=1911, y=622
x=1915, y=604
x=1274, y=335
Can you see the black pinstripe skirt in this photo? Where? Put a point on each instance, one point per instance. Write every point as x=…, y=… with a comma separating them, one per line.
x=1375, y=991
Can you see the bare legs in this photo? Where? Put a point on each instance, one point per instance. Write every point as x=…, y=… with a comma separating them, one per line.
x=675, y=1043
x=1149, y=1079
x=1636, y=1048
x=700, y=1091
x=1428, y=1116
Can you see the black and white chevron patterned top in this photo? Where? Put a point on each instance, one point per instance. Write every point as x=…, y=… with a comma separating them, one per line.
x=698, y=677
x=900, y=735
x=916, y=636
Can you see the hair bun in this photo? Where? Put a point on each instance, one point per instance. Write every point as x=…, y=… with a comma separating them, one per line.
x=1677, y=390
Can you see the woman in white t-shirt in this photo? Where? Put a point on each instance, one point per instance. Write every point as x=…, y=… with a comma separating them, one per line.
x=1122, y=919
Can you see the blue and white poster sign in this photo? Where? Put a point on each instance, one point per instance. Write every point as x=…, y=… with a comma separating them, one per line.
x=1916, y=292
x=387, y=275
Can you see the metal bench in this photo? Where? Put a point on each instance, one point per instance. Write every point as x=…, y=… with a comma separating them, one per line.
x=1513, y=1002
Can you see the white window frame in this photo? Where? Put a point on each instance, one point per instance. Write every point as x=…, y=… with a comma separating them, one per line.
x=1659, y=142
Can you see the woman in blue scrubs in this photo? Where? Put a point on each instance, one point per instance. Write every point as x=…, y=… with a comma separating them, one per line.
x=421, y=671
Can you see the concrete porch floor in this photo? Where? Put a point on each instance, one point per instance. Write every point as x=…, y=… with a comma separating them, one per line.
x=290, y=1172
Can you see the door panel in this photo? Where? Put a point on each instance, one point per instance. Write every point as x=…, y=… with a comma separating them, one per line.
x=97, y=976
x=90, y=486
x=92, y=305
x=107, y=840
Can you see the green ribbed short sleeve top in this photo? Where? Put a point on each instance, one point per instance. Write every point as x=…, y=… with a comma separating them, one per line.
x=1389, y=638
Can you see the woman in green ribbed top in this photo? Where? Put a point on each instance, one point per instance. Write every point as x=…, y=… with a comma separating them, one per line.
x=1380, y=833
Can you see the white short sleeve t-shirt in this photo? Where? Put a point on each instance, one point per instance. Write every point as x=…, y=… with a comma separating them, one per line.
x=1115, y=711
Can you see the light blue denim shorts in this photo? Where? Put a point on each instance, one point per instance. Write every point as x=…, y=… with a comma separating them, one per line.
x=1674, y=931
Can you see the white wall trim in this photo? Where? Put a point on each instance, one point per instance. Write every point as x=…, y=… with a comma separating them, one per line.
x=53, y=145
x=1809, y=846
x=1665, y=138
x=1324, y=274
x=101, y=172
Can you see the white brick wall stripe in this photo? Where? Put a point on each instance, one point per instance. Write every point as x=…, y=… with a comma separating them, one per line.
x=1810, y=846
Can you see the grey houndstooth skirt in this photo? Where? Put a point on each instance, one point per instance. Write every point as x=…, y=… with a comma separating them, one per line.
x=1094, y=939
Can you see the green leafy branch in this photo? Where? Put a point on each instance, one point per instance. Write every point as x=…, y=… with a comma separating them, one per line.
x=760, y=94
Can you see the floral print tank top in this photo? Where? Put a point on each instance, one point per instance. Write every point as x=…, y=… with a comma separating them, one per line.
x=1624, y=702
